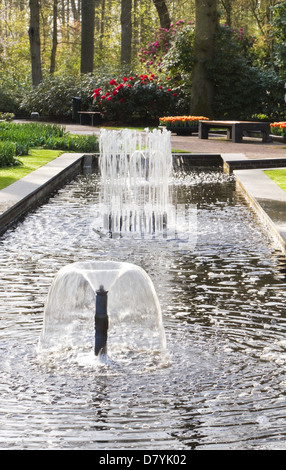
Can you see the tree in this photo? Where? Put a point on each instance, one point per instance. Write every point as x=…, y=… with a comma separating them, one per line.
x=204, y=48
x=87, y=35
x=55, y=37
x=126, y=31
x=163, y=13
x=35, y=43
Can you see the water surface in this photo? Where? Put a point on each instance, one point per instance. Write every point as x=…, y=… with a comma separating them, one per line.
x=222, y=382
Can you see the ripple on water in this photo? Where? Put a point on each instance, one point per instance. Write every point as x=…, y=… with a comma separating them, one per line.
x=222, y=383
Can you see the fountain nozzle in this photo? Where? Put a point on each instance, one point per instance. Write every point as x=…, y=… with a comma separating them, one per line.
x=101, y=322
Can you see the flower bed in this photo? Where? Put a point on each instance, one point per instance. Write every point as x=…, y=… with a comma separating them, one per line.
x=182, y=125
x=278, y=130
x=138, y=97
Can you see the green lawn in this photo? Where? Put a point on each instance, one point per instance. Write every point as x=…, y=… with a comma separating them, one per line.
x=35, y=159
x=279, y=176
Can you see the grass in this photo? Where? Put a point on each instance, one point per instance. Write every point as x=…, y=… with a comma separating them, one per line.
x=37, y=157
x=278, y=176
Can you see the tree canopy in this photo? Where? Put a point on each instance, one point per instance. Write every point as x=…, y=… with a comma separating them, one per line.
x=75, y=37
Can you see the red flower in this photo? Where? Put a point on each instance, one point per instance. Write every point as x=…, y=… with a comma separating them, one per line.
x=109, y=98
x=96, y=92
x=112, y=82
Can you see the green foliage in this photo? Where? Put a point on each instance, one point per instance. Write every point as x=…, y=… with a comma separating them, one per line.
x=52, y=97
x=7, y=154
x=241, y=88
x=153, y=54
x=279, y=32
x=73, y=143
x=28, y=135
x=8, y=103
x=7, y=116
x=142, y=98
x=17, y=139
x=179, y=60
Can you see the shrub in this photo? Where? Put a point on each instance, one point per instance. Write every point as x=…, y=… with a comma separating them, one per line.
x=152, y=55
x=8, y=103
x=143, y=97
x=7, y=154
x=53, y=96
x=7, y=116
x=242, y=88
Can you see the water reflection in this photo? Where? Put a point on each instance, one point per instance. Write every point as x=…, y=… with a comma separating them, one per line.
x=224, y=383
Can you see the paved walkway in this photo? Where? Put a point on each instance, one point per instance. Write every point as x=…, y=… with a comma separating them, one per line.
x=250, y=147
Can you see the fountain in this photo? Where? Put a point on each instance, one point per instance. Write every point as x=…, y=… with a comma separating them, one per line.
x=134, y=315
x=135, y=176
x=207, y=355
x=134, y=193
x=136, y=197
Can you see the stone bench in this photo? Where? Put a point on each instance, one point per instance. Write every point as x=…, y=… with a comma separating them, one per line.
x=235, y=129
x=89, y=117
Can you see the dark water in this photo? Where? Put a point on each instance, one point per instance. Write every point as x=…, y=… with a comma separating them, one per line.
x=223, y=382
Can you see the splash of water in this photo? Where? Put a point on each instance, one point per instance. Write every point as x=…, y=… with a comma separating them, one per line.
x=135, y=174
x=135, y=318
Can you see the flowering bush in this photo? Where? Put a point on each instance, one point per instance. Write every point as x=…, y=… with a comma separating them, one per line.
x=278, y=128
x=137, y=97
x=152, y=55
x=181, y=121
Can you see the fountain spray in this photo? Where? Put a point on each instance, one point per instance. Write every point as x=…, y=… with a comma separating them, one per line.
x=101, y=322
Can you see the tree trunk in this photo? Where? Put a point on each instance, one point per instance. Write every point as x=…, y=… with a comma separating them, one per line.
x=163, y=13
x=204, y=48
x=126, y=31
x=55, y=37
x=35, y=43
x=87, y=35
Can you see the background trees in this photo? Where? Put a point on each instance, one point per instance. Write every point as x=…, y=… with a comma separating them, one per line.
x=66, y=39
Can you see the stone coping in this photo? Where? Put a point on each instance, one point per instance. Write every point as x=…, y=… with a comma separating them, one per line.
x=264, y=196
x=26, y=193
x=267, y=199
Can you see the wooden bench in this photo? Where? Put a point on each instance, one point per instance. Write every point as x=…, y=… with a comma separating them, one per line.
x=89, y=117
x=235, y=129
